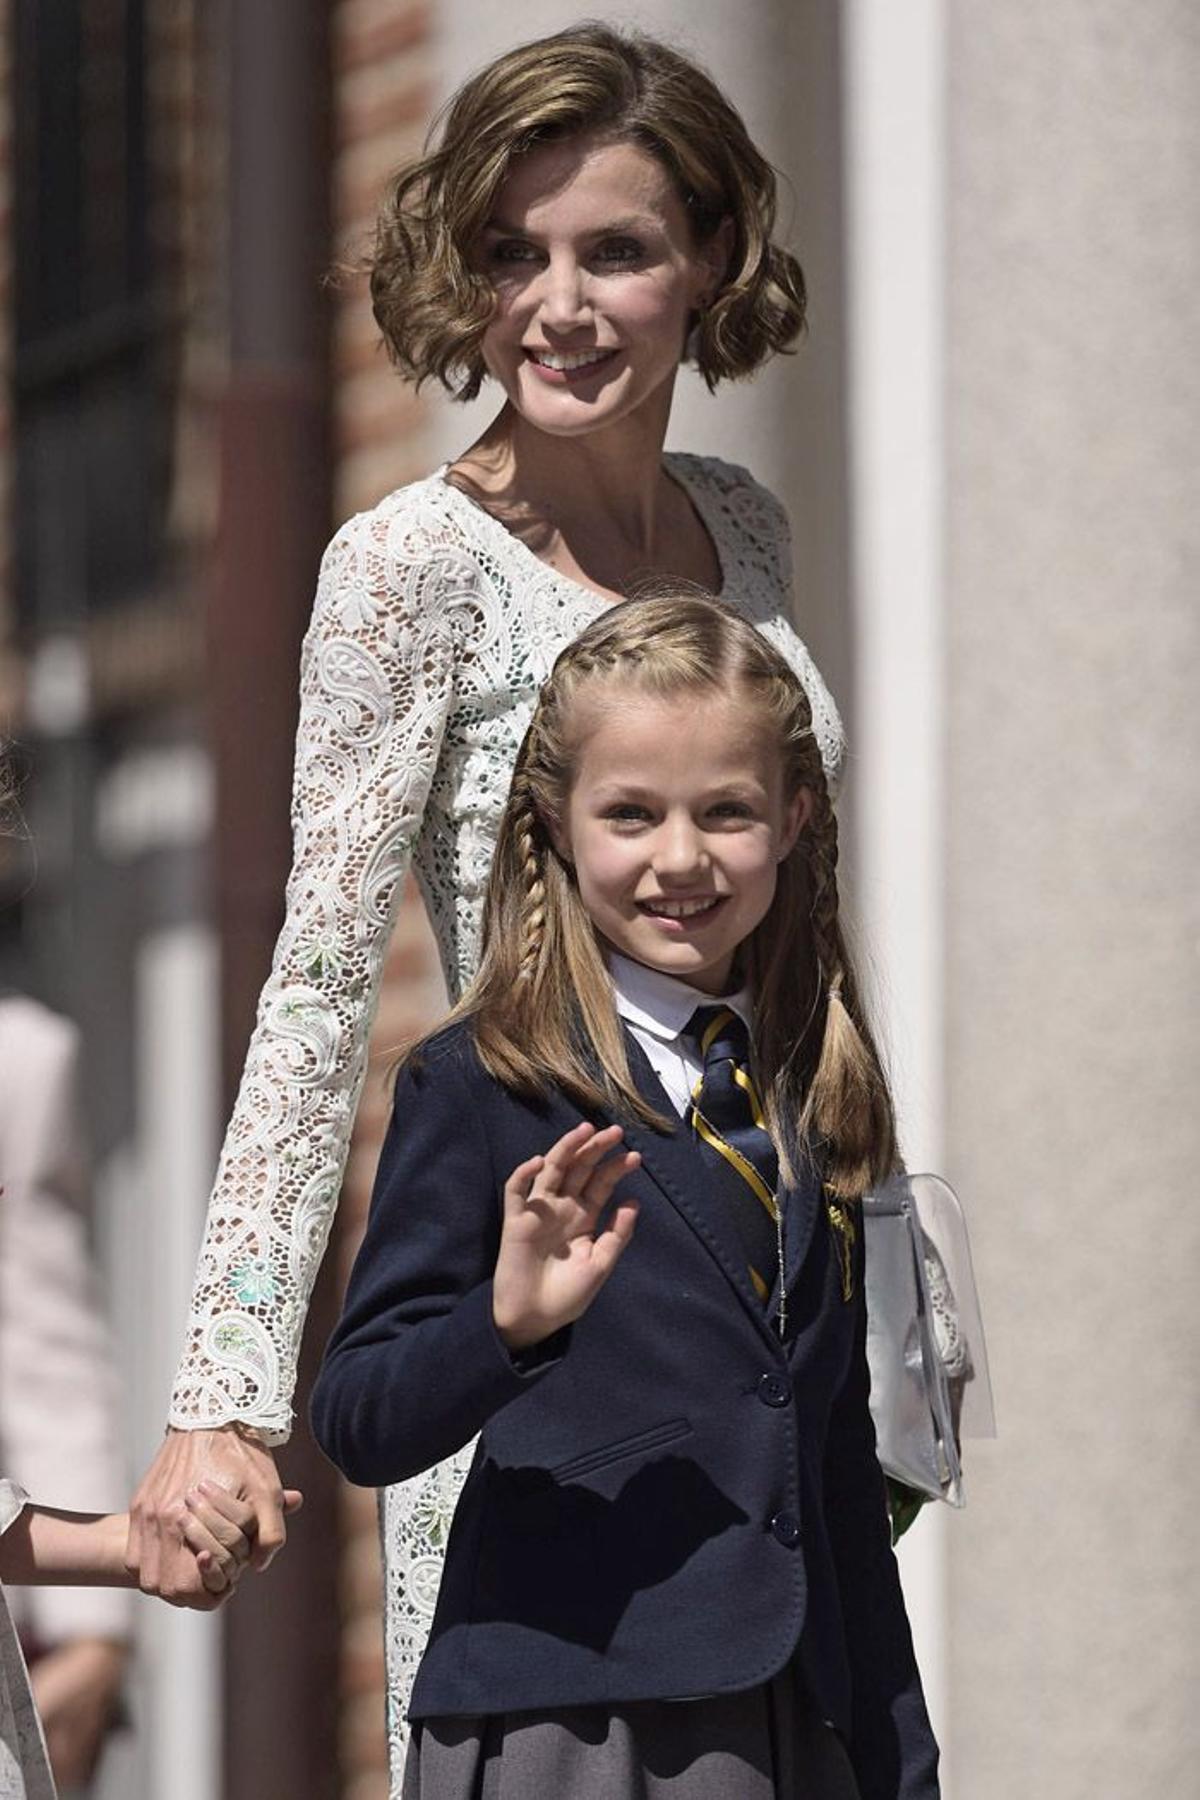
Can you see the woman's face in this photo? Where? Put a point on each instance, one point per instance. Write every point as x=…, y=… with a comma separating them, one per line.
x=590, y=252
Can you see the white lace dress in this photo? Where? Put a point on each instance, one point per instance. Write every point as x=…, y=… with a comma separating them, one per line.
x=24, y=1768
x=432, y=631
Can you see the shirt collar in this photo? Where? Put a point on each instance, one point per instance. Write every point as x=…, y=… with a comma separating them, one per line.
x=662, y=1005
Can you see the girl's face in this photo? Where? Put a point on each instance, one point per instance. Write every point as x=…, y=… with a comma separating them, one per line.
x=590, y=252
x=676, y=825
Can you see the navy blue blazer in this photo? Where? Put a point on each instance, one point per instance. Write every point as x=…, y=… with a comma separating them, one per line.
x=666, y=1501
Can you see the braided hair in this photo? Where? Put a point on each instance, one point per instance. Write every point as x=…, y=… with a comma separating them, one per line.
x=542, y=1005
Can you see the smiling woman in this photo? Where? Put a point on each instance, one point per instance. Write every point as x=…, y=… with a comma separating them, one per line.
x=591, y=210
x=596, y=278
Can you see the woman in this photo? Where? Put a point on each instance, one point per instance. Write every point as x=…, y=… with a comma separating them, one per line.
x=593, y=211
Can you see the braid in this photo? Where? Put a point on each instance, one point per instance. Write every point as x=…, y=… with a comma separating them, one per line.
x=527, y=831
x=849, y=1104
x=823, y=863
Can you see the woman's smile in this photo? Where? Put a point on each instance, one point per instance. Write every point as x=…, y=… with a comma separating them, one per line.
x=590, y=254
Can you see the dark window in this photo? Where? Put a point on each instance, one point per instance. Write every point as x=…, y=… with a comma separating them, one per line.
x=93, y=352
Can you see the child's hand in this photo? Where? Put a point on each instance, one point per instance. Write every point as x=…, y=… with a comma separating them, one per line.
x=219, y=1529
x=551, y=1266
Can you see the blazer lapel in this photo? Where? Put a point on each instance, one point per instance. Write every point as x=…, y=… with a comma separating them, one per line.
x=672, y=1163
x=801, y=1210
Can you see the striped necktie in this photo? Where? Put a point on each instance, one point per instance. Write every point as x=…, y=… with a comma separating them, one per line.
x=727, y=1117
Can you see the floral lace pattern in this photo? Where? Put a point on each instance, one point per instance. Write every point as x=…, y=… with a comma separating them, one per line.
x=432, y=630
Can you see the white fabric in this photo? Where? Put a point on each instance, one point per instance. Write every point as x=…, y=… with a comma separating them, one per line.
x=24, y=1768
x=656, y=1008
x=432, y=631
x=60, y=1423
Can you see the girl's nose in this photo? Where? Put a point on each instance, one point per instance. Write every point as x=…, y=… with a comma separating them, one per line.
x=680, y=850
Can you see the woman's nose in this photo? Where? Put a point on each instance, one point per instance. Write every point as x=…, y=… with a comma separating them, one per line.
x=565, y=302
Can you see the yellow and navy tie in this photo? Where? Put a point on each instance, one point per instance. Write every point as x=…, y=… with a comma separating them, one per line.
x=727, y=1118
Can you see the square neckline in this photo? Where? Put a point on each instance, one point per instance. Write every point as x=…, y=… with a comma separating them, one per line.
x=670, y=460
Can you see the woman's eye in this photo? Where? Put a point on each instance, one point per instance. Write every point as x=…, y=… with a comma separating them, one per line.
x=620, y=253
x=728, y=810
x=512, y=250
x=626, y=813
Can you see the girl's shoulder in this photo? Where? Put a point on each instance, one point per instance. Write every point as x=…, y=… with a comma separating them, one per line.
x=447, y=1060
x=446, y=1069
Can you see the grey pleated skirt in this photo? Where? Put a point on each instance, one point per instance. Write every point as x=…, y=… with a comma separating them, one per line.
x=765, y=1744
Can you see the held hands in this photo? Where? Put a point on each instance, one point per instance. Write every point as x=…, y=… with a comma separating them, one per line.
x=219, y=1530
x=552, y=1263
x=173, y=1519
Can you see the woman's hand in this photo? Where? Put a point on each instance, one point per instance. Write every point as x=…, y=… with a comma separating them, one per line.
x=551, y=1263
x=158, y=1554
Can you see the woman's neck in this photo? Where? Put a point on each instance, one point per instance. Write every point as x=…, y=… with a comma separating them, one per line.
x=599, y=508
x=612, y=476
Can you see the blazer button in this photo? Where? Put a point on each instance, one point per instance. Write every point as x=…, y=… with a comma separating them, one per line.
x=773, y=1390
x=786, y=1527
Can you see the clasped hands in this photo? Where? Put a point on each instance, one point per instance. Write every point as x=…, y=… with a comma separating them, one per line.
x=210, y=1505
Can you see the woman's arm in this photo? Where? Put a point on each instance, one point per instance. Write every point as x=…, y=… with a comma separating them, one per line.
x=375, y=692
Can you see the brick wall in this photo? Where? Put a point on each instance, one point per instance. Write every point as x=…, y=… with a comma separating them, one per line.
x=381, y=56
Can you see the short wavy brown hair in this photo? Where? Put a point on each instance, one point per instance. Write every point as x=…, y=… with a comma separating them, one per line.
x=433, y=307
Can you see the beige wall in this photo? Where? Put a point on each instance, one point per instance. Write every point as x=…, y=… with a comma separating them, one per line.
x=1073, y=979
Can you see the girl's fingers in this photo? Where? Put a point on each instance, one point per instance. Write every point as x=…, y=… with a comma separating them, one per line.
x=599, y=1189
x=212, y=1575
x=215, y=1527
x=590, y=1156
x=212, y=1497
x=519, y=1184
x=611, y=1244
x=560, y=1158
x=213, y=1558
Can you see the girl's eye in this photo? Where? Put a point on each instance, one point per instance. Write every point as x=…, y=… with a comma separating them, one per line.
x=731, y=809
x=626, y=812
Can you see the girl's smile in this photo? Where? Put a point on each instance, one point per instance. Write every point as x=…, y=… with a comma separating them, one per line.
x=676, y=826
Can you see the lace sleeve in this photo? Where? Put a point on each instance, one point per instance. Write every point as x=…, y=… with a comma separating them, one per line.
x=376, y=677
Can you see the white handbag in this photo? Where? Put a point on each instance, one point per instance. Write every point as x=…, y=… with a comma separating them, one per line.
x=930, y=1385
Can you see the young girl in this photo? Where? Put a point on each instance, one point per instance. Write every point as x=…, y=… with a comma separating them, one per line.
x=39, y=1545
x=615, y=1230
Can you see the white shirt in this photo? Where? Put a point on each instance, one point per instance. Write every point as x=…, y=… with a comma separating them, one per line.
x=656, y=1008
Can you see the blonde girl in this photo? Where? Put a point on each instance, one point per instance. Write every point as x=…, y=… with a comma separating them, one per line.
x=615, y=1231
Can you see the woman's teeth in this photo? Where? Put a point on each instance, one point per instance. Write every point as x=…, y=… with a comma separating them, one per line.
x=679, y=909
x=577, y=359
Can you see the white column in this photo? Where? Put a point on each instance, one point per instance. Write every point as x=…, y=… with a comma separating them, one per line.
x=894, y=112
x=154, y=1198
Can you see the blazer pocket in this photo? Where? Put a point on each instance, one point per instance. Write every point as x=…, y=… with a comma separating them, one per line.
x=655, y=1438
